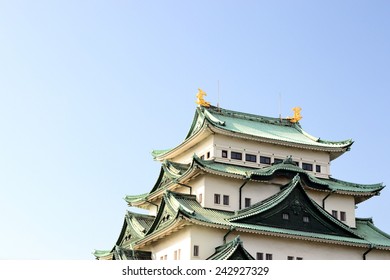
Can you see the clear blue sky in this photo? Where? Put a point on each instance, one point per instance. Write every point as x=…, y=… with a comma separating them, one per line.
x=89, y=88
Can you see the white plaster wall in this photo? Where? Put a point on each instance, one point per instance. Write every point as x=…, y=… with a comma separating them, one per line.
x=337, y=202
x=223, y=186
x=166, y=246
x=223, y=142
x=281, y=248
x=207, y=239
x=378, y=255
x=198, y=187
x=200, y=149
x=258, y=192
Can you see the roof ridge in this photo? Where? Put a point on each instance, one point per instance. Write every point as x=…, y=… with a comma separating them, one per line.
x=279, y=196
x=249, y=116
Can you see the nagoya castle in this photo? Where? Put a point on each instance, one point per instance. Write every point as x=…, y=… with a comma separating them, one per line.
x=244, y=187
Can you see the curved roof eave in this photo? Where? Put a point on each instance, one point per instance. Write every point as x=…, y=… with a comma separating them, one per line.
x=335, y=152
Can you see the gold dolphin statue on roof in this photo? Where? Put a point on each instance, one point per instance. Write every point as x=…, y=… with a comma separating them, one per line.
x=297, y=115
x=200, y=98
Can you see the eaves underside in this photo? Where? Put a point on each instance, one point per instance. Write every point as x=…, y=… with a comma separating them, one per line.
x=336, y=151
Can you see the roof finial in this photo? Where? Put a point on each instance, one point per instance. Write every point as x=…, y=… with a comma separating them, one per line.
x=200, y=98
x=297, y=115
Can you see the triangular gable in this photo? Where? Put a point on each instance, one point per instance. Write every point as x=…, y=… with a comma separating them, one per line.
x=134, y=227
x=233, y=250
x=170, y=171
x=293, y=209
x=167, y=213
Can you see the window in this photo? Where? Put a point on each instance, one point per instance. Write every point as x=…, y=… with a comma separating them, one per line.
x=318, y=168
x=343, y=216
x=225, y=200
x=251, y=158
x=265, y=160
x=200, y=198
x=260, y=256
x=236, y=155
x=196, y=251
x=202, y=157
x=277, y=160
x=307, y=166
x=299, y=258
x=290, y=258
x=285, y=216
x=335, y=214
x=208, y=154
x=217, y=198
x=175, y=255
x=247, y=202
x=224, y=154
x=306, y=219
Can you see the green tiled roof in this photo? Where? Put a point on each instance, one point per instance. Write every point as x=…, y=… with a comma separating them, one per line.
x=263, y=129
x=266, y=127
x=121, y=253
x=233, y=250
x=367, y=229
x=135, y=198
x=101, y=253
x=278, y=198
x=224, y=219
x=175, y=204
x=172, y=172
x=253, y=173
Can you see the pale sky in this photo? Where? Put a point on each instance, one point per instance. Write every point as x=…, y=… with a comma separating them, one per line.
x=89, y=88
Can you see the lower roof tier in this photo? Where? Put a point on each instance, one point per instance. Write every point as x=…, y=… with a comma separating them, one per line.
x=175, y=173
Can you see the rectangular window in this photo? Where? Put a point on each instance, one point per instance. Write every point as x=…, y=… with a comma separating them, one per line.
x=265, y=160
x=202, y=157
x=175, y=255
x=208, y=155
x=225, y=200
x=343, y=216
x=318, y=168
x=236, y=155
x=335, y=214
x=290, y=258
x=306, y=219
x=277, y=160
x=251, y=158
x=224, y=154
x=285, y=216
x=259, y=256
x=196, y=251
x=268, y=256
x=307, y=166
x=217, y=198
x=200, y=198
x=247, y=202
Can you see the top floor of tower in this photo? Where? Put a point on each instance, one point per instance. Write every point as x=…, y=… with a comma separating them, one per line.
x=255, y=141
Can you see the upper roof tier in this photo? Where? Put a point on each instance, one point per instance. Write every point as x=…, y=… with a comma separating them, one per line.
x=258, y=128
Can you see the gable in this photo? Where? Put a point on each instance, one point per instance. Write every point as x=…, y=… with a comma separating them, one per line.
x=295, y=211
